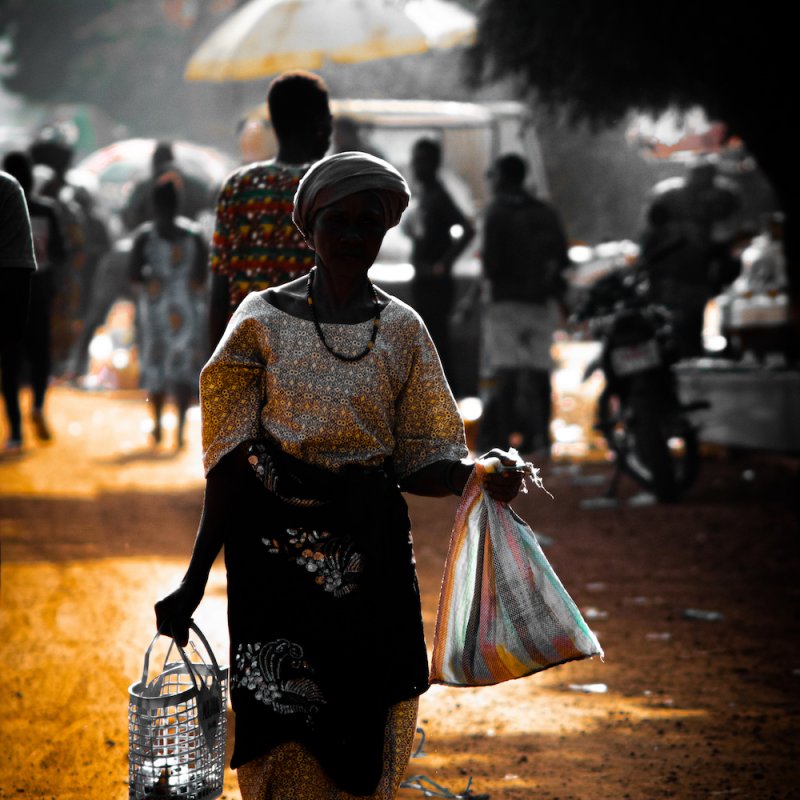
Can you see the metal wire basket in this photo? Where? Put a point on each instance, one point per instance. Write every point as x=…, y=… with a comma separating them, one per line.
x=176, y=727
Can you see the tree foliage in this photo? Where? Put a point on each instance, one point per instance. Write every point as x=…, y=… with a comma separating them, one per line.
x=125, y=56
x=602, y=59
x=59, y=47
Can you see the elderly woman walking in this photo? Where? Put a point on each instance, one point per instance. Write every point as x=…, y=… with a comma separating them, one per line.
x=323, y=402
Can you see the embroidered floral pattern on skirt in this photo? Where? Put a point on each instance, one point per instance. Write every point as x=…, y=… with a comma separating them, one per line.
x=280, y=677
x=331, y=561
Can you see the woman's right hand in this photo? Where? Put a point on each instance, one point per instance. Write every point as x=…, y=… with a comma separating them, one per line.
x=502, y=486
x=174, y=612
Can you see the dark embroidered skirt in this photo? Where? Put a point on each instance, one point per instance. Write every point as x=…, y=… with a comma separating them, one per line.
x=323, y=610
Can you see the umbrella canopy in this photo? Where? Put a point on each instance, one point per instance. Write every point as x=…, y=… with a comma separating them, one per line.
x=267, y=36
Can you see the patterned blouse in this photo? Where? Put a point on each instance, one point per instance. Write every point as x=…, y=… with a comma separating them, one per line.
x=271, y=373
x=256, y=245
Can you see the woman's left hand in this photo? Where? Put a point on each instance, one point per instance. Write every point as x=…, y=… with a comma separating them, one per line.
x=502, y=486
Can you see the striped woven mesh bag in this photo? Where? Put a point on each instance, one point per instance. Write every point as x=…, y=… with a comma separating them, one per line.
x=503, y=612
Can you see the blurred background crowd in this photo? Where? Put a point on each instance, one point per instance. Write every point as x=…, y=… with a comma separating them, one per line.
x=110, y=100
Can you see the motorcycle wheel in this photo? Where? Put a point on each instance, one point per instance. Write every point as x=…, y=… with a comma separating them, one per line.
x=659, y=450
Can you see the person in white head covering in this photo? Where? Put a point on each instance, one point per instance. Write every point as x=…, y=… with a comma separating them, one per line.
x=323, y=401
x=346, y=174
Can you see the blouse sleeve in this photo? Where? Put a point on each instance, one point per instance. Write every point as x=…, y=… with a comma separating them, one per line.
x=232, y=386
x=428, y=427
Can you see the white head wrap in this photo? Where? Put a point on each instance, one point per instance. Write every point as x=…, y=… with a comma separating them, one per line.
x=344, y=174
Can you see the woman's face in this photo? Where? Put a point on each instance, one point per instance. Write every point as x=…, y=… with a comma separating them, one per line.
x=348, y=234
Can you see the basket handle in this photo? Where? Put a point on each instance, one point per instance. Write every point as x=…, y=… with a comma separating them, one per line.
x=186, y=660
x=196, y=629
x=146, y=667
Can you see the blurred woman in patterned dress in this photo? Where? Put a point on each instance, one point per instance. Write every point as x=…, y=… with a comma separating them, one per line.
x=323, y=402
x=168, y=264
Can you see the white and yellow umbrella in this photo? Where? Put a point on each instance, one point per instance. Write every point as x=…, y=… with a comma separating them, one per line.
x=268, y=36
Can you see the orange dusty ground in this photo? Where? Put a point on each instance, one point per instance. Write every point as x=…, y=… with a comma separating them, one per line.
x=98, y=525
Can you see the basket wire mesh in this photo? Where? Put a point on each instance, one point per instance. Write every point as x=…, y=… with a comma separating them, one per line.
x=176, y=727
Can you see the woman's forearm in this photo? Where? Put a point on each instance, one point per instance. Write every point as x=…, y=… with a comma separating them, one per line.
x=450, y=477
x=439, y=479
x=174, y=611
x=211, y=530
x=207, y=546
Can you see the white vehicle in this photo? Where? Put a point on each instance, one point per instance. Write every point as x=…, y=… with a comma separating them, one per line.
x=472, y=136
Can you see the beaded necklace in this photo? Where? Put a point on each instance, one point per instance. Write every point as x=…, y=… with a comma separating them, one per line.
x=376, y=323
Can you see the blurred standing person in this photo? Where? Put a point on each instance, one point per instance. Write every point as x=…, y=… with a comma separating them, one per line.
x=687, y=246
x=524, y=255
x=194, y=196
x=17, y=261
x=347, y=137
x=111, y=283
x=256, y=245
x=168, y=264
x=431, y=224
x=97, y=236
x=52, y=154
x=35, y=349
x=110, y=277
x=96, y=283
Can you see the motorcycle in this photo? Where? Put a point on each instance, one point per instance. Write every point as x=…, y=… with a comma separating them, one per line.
x=639, y=411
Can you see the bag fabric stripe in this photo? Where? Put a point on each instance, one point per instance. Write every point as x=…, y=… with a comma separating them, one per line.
x=503, y=612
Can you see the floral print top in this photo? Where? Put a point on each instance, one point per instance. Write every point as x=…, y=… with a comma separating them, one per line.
x=272, y=374
x=256, y=245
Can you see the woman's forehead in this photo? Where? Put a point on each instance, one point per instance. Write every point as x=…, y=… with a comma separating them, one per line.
x=365, y=200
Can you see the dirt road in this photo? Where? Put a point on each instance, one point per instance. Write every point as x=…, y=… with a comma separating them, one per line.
x=98, y=525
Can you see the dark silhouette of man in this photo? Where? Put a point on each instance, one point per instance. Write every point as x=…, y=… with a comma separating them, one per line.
x=53, y=150
x=431, y=223
x=17, y=261
x=524, y=255
x=687, y=246
x=256, y=245
x=36, y=340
